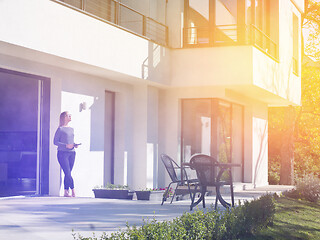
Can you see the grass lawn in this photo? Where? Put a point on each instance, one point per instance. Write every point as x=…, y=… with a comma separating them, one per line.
x=294, y=219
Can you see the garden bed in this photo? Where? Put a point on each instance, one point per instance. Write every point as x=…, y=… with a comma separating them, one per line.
x=113, y=193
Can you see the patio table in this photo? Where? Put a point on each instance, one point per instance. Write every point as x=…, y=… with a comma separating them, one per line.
x=209, y=174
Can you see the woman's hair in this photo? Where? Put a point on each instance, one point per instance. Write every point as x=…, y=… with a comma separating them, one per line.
x=62, y=118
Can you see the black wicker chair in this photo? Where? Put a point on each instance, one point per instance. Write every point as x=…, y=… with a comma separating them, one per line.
x=209, y=172
x=172, y=167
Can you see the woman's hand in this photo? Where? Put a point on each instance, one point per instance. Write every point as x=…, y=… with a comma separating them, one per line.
x=69, y=146
x=76, y=145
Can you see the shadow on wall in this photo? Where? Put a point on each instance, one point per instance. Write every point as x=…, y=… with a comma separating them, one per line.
x=156, y=67
x=97, y=125
x=262, y=137
x=275, y=84
x=87, y=118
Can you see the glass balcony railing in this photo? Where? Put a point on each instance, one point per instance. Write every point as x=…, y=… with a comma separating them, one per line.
x=259, y=39
x=223, y=35
x=295, y=66
x=124, y=16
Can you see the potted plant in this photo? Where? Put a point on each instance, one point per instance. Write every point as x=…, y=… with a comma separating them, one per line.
x=151, y=194
x=113, y=191
x=143, y=194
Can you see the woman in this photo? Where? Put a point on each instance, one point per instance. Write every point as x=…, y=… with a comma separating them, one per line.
x=64, y=139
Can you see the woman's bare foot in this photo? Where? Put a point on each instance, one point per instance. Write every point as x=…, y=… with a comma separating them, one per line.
x=73, y=194
x=66, y=193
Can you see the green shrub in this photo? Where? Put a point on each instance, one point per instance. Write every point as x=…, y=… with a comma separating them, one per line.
x=234, y=223
x=309, y=187
x=293, y=194
x=273, y=178
x=274, y=171
x=257, y=215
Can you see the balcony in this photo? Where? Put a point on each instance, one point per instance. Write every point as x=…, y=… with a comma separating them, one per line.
x=123, y=16
x=295, y=66
x=228, y=35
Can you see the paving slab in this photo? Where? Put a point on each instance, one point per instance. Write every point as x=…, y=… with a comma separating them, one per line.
x=43, y=218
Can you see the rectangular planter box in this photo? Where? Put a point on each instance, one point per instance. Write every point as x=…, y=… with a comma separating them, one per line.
x=113, y=194
x=150, y=195
x=143, y=195
x=156, y=195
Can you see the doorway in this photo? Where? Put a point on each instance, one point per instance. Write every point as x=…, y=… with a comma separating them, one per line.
x=109, y=137
x=24, y=133
x=213, y=127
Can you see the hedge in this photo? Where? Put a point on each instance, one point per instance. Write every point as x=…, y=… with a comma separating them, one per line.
x=234, y=223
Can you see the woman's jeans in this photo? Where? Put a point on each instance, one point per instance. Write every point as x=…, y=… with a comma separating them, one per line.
x=66, y=160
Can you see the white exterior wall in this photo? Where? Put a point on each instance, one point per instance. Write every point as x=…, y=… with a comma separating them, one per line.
x=255, y=143
x=45, y=29
x=220, y=66
x=68, y=90
x=299, y=4
x=140, y=121
x=149, y=82
x=152, y=138
x=278, y=77
x=260, y=145
x=255, y=130
x=288, y=80
x=244, y=69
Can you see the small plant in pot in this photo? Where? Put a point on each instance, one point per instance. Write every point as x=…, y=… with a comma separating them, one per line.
x=113, y=191
x=143, y=194
x=150, y=194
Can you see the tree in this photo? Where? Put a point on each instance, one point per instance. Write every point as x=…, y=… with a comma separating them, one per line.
x=294, y=131
x=287, y=148
x=307, y=132
x=310, y=20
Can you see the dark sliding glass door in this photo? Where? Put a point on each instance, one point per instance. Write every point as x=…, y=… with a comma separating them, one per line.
x=213, y=127
x=24, y=125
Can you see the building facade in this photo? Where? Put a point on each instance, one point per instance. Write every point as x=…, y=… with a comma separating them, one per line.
x=140, y=78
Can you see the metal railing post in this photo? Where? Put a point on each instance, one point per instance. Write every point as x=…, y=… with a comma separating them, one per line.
x=83, y=4
x=116, y=12
x=167, y=36
x=144, y=25
x=151, y=28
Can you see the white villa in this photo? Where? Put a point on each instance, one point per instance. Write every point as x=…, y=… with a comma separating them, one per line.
x=141, y=78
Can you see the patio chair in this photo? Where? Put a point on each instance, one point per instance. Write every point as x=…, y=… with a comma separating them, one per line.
x=209, y=172
x=172, y=167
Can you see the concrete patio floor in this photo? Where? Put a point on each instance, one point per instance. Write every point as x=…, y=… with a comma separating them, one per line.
x=40, y=218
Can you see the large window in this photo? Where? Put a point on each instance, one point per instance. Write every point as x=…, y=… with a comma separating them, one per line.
x=213, y=127
x=197, y=22
x=225, y=20
x=261, y=15
x=210, y=20
x=295, y=38
x=260, y=22
x=229, y=22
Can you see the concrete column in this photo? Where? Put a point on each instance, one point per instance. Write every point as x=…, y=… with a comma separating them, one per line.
x=255, y=145
x=260, y=145
x=120, y=151
x=55, y=110
x=152, y=144
x=139, y=160
x=174, y=20
x=169, y=131
x=248, y=135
